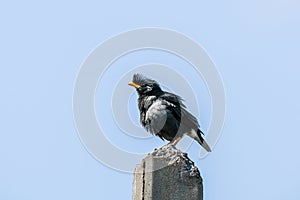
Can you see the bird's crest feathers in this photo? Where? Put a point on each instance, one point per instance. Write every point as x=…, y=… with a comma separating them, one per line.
x=141, y=79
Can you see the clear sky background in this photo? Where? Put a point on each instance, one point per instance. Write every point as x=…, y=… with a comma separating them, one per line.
x=255, y=45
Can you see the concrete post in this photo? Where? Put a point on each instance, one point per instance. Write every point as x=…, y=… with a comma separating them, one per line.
x=167, y=174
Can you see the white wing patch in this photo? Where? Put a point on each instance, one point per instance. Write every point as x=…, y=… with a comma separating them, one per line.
x=168, y=103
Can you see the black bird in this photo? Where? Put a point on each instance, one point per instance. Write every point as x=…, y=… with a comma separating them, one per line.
x=164, y=114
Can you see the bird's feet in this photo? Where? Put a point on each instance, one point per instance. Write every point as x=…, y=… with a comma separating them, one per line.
x=175, y=141
x=171, y=144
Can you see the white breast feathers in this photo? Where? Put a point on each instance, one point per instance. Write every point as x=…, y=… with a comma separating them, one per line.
x=156, y=117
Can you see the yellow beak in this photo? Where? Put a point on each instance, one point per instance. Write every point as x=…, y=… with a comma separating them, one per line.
x=134, y=85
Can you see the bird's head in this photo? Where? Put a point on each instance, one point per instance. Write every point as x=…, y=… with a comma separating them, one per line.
x=145, y=86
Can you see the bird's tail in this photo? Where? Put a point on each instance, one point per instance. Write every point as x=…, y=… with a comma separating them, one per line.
x=201, y=141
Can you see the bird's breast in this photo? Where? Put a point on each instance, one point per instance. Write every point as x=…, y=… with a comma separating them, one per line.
x=147, y=101
x=156, y=116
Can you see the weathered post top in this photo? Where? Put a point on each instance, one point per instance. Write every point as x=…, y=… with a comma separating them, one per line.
x=167, y=174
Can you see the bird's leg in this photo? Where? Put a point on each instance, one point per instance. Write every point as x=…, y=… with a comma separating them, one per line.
x=175, y=141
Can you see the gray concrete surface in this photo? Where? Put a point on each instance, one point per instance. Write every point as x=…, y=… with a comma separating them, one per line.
x=167, y=174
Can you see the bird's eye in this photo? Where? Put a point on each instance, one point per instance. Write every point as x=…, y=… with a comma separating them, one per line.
x=148, y=88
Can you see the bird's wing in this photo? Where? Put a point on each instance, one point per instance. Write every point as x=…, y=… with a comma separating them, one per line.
x=173, y=103
x=178, y=109
x=189, y=120
x=172, y=98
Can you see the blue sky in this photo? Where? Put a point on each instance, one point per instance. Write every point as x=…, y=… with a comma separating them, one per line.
x=254, y=44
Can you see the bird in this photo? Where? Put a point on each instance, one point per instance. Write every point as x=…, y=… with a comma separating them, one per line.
x=164, y=114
